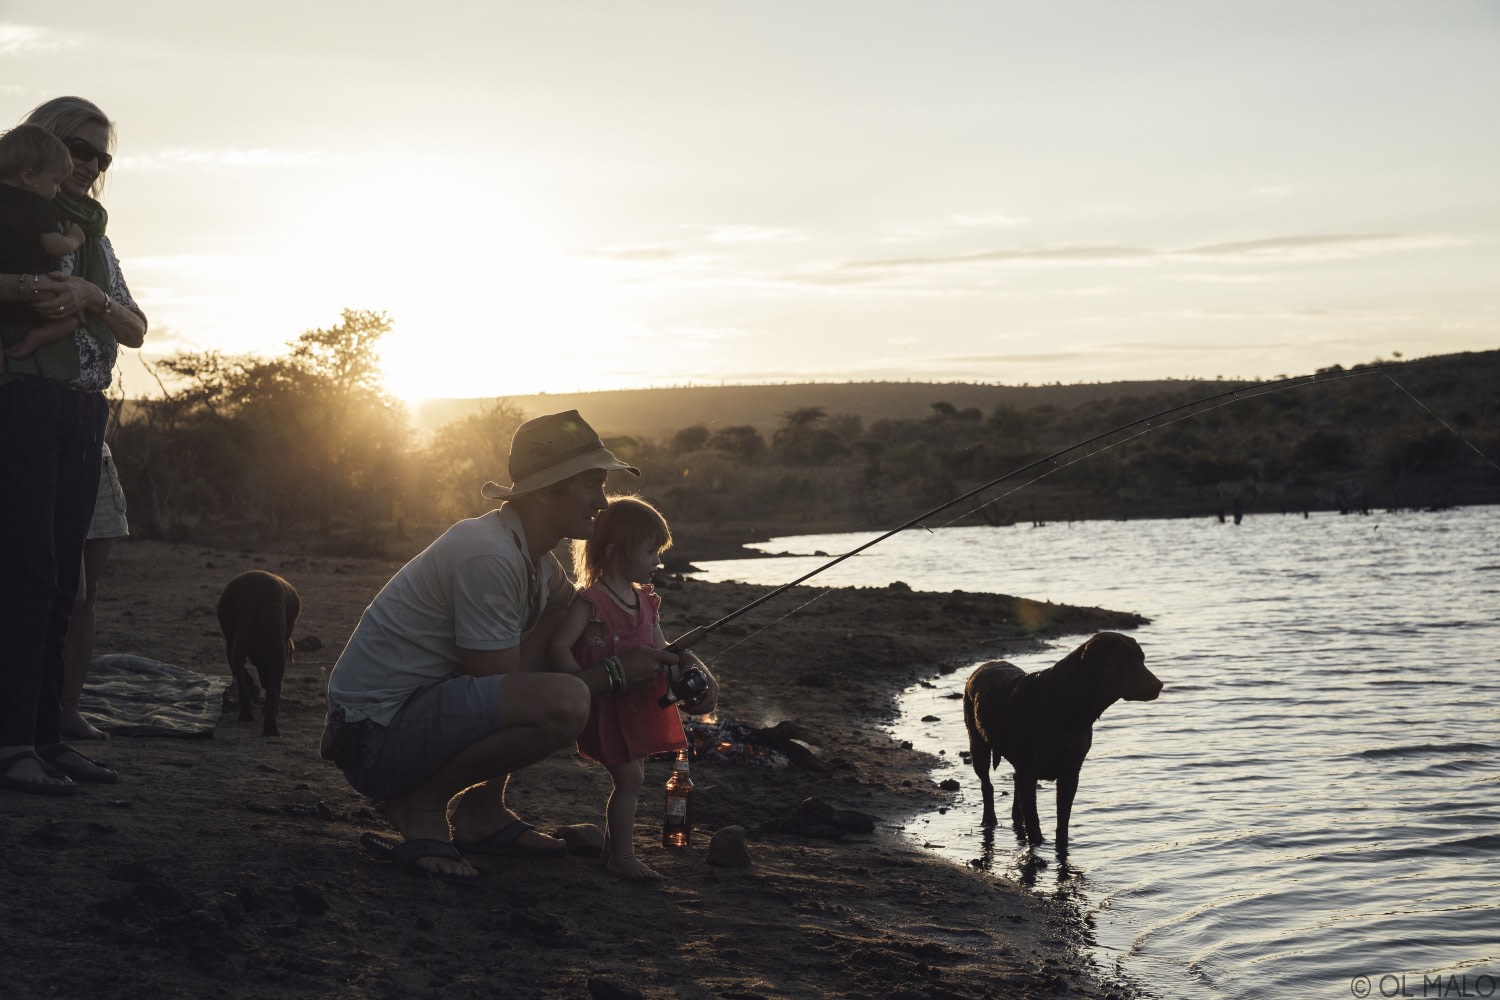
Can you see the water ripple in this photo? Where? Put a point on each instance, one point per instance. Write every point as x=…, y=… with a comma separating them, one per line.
x=1312, y=796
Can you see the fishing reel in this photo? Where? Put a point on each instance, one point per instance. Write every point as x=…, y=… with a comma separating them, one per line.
x=690, y=686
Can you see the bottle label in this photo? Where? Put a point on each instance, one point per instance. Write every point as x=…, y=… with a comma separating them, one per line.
x=677, y=810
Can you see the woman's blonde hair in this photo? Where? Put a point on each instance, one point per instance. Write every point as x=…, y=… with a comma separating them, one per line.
x=628, y=522
x=62, y=116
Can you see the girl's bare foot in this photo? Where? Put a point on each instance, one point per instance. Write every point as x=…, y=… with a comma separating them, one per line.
x=76, y=727
x=630, y=867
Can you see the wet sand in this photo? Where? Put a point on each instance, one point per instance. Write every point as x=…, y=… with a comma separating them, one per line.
x=231, y=866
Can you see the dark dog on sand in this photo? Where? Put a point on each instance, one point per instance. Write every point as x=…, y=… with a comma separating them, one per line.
x=256, y=613
x=1043, y=722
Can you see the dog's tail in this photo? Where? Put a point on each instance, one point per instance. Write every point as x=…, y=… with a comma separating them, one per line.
x=978, y=742
x=237, y=641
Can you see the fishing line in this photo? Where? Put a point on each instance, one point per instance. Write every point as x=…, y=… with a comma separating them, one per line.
x=768, y=625
x=1445, y=423
x=1151, y=423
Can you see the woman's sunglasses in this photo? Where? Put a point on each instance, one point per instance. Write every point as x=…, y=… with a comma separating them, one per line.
x=82, y=149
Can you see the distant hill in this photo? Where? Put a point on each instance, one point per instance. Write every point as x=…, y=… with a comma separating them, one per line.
x=274, y=458
x=660, y=413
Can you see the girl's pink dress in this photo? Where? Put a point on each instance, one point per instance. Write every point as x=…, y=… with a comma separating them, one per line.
x=630, y=725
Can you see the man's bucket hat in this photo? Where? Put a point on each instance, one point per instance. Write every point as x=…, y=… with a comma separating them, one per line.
x=549, y=449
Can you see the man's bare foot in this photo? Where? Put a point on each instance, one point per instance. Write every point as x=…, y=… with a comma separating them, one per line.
x=479, y=816
x=76, y=727
x=632, y=868
x=415, y=821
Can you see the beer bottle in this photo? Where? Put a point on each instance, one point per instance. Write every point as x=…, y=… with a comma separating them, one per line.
x=677, y=826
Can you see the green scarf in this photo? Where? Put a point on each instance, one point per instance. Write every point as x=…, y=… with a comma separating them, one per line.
x=59, y=361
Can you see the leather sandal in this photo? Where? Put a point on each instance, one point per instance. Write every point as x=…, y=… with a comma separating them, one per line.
x=64, y=787
x=65, y=757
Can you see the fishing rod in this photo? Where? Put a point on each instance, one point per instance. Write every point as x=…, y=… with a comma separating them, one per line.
x=696, y=635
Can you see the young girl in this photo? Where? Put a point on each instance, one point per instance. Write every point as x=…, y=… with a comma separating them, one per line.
x=617, y=612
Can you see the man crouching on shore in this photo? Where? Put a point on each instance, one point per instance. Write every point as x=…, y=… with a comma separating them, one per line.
x=440, y=693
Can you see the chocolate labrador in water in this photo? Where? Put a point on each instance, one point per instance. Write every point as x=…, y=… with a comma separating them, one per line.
x=1043, y=722
x=256, y=612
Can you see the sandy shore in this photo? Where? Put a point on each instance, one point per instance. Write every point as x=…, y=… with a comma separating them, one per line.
x=231, y=866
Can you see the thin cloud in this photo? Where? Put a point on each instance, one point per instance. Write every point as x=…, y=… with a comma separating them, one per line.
x=753, y=234
x=915, y=235
x=987, y=219
x=688, y=337
x=227, y=159
x=1288, y=313
x=1220, y=279
x=24, y=40
x=832, y=278
x=649, y=252
x=1251, y=314
x=1321, y=247
x=1051, y=357
x=896, y=283
x=1315, y=247
x=1081, y=252
x=690, y=256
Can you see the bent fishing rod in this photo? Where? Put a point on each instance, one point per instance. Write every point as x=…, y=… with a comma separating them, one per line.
x=696, y=635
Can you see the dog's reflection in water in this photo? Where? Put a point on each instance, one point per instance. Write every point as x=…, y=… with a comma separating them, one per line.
x=1023, y=864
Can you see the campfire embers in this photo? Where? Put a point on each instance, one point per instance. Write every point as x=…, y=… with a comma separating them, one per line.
x=737, y=743
x=729, y=743
x=748, y=746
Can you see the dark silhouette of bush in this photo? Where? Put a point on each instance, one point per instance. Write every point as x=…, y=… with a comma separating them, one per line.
x=1324, y=450
x=690, y=439
x=743, y=442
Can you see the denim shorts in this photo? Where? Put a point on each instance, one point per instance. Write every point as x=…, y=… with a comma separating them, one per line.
x=433, y=726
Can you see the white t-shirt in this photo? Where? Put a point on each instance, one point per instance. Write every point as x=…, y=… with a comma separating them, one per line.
x=473, y=588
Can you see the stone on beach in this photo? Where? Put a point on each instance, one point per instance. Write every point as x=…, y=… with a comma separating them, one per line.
x=727, y=848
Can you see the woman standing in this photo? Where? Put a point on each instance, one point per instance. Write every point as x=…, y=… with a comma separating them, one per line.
x=108, y=524
x=52, y=416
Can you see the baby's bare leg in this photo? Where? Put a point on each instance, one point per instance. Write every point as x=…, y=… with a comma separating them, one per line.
x=40, y=336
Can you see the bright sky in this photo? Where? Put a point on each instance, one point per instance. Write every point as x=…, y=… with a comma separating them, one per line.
x=560, y=195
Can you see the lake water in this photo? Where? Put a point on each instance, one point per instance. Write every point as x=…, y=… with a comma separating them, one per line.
x=1312, y=807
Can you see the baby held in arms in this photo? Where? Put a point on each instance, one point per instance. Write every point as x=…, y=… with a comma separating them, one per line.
x=33, y=165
